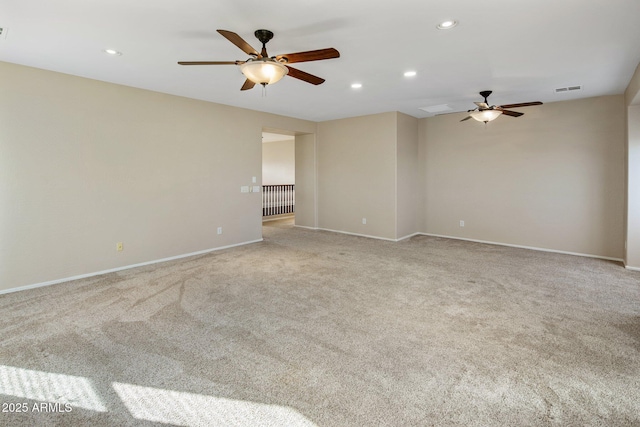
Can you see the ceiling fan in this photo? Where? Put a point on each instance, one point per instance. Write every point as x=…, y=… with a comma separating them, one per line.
x=485, y=113
x=264, y=70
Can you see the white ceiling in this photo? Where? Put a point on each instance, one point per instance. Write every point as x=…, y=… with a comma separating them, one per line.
x=520, y=49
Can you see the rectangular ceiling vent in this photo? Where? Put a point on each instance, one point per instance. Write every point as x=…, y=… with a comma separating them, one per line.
x=568, y=89
x=436, y=108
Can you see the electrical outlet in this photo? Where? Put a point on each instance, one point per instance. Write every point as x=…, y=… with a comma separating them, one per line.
x=461, y=223
x=364, y=220
x=119, y=246
x=219, y=230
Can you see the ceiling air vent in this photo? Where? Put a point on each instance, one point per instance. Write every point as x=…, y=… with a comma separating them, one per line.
x=568, y=89
x=436, y=108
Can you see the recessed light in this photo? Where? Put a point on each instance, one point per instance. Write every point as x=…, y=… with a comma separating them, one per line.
x=356, y=85
x=112, y=52
x=446, y=25
x=410, y=74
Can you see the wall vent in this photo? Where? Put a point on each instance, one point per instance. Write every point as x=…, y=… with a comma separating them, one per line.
x=568, y=89
x=3, y=32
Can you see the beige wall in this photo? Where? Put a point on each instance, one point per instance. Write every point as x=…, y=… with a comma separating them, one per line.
x=278, y=162
x=553, y=179
x=409, y=188
x=632, y=94
x=632, y=257
x=356, y=175
x=306, y=181
x=632, y=217
x=86, y=164
x=422, y=174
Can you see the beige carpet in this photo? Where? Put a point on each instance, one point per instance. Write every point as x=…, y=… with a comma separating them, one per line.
x=317, y=328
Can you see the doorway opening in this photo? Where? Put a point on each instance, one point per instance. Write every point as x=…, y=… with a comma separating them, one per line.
x=278, y=177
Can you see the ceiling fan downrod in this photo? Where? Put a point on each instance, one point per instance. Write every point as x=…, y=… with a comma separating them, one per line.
x=485, y=94
x=264, y=36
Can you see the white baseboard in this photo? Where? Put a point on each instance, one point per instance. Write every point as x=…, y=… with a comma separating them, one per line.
x=533, y=248
x=305, y=227
x=277, y=217
x=408, y=236
x=127, y=267
x=357, y=234
x=632, y=268
x=362, y=235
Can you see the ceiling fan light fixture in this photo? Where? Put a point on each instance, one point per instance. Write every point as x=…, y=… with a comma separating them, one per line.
x=485, y=115
x=264, y=71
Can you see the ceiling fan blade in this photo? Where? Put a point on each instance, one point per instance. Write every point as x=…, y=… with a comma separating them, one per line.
x=239, y=41
x=248, y=84
x=301, y=75
x=211, y=62
x=523, y=104
x=466, y=118
x=482, y=105
x=511, y=113
x=311, y=55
